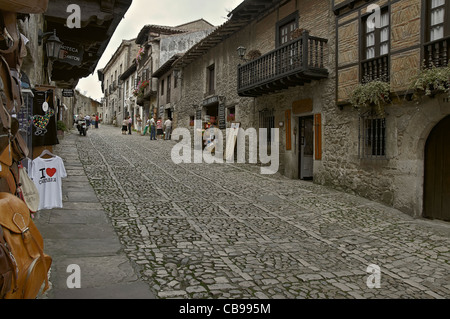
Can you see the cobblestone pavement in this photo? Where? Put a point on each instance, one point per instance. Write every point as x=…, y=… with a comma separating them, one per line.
x=225, y=231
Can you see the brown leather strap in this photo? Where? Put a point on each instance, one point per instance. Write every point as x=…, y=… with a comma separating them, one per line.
x=11, y=259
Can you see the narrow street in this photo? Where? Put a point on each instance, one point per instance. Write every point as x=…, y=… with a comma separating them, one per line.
x=225, y=231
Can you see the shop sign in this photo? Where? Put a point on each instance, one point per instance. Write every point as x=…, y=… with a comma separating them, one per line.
x=68, y=93
x=71, y=54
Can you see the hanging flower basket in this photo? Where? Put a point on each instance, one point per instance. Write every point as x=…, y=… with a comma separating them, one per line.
x=373, y=94
x=432, y=81
x=140, y=55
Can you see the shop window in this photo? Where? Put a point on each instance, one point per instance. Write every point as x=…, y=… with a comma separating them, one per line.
x=192, y=121
x=212, y=116
x=231, y=116
x=372, y=136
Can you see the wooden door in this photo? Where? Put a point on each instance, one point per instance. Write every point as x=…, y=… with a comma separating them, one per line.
x=306, y=149
x=437, y=173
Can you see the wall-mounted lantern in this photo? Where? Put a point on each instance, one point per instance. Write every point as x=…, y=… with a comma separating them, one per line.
x=241, y=52
x=53, y=45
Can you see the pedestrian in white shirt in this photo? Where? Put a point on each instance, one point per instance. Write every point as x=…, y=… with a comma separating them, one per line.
x=168, y=126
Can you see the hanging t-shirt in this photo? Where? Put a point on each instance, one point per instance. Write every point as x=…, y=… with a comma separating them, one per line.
x=47, y=175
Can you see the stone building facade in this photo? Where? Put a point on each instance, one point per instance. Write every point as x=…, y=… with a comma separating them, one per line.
x=302, y=64
x=114, y=103
x=398, y=158
x=159, y=44
x=275, y=85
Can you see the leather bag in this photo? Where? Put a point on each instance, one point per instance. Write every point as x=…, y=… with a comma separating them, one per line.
x=27, y=246
x=24, y=6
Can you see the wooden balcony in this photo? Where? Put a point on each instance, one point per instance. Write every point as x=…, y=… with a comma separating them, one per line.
x=293, y=64
x=375, y=69
x=437, y=53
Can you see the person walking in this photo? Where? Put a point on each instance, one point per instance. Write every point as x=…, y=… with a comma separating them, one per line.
x=130, y=124
x=159, y=129
x=152, y=129
x=147, y=127
x=168, y=127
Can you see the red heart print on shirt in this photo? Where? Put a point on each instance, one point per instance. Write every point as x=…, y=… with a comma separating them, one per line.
x=51, y=172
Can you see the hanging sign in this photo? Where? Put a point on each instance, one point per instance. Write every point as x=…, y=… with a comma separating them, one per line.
x=71, y=53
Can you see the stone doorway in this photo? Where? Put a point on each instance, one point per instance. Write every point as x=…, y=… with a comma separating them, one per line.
x=306, y=148
x=437, y=173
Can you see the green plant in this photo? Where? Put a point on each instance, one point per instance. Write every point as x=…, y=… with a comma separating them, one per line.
x=432, y=80
x=61, y=126
x=371, y=94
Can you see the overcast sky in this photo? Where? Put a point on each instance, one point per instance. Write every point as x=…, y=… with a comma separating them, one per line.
x=159, y=12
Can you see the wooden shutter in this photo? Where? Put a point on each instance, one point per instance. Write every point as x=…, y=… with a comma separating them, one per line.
x=318, y=136
x=288, y=130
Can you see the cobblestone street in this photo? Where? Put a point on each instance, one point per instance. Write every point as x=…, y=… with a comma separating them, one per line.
x=225, y=231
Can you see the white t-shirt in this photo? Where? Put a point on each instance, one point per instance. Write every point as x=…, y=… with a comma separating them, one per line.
x=47, y=175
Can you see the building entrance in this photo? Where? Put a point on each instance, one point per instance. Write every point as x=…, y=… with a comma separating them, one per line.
x=437, y=173
x=306, y=148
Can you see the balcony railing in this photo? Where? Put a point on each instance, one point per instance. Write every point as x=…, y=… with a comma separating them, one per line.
x=295, y=63
x=437, y=53
x=375, y=69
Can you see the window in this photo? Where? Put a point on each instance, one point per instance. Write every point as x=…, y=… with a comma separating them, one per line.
x=267, y=121
x=285, y=28
x=376, y=39
x=162, y=87
x=372, y=137
x=438, y=14
x=211, y=75
x=169, y=88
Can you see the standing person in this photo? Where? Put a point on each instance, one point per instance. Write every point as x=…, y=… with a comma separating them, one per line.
x=139, y=123
x=130, y=123
x=152, y=124
x=96, y=121
x=168, y=126
x=125, y=126
x=159, y=129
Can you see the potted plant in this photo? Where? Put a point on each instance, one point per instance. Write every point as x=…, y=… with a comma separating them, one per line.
x=61, y=128
x=432, y=81
x=372, y=94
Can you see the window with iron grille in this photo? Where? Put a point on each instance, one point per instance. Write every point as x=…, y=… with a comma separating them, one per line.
x=372, y=136
x=267, y=121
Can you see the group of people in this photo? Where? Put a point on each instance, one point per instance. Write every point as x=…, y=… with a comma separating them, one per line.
x=159, y=130
x=93, y=120
x=127, y=125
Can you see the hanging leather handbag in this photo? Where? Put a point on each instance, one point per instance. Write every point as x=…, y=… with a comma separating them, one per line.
x=26, y=244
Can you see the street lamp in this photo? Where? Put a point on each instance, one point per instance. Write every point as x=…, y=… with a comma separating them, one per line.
x=53, y=46
x=241, y=52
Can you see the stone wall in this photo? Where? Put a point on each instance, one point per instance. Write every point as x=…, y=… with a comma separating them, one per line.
x=398, y=179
